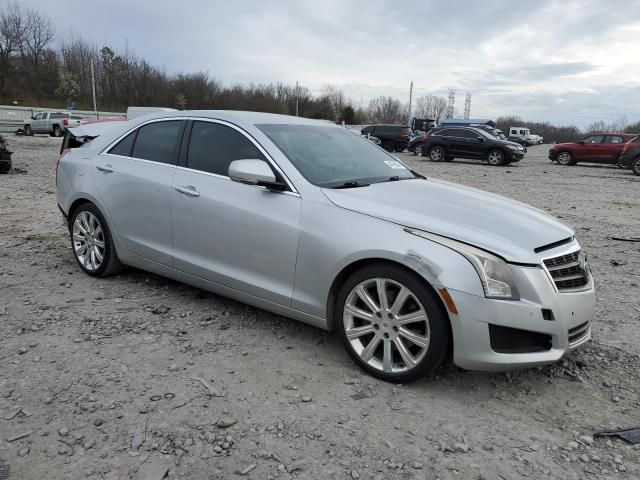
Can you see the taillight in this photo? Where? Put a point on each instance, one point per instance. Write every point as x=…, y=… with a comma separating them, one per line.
x=65, y=122
x=425, y=137
x=62, y=154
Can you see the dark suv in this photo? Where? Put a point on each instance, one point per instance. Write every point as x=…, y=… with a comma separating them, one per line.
x=630, y=157
x=447, y=143
x=393, y=137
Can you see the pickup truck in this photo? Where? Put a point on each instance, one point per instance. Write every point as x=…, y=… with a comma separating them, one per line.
x=53, y=123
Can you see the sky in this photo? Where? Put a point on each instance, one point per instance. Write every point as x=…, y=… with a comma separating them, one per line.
x=565, y=61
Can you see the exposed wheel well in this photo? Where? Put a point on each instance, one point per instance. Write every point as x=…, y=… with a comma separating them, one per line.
x=351, y=268
x=74, y=206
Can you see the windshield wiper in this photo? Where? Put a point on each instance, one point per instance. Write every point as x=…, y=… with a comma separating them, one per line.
x=352, y=184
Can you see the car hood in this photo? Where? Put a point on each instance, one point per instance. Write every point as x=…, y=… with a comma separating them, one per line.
x=497, y=224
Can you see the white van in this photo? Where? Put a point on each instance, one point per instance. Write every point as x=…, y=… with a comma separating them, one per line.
x=525, y=134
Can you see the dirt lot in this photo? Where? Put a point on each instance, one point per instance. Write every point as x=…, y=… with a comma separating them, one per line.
x=129, y=376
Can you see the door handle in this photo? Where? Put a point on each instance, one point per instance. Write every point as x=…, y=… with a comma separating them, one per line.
x=105, y=168
x=187, y=190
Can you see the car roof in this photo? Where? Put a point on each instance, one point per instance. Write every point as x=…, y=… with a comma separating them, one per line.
x=240, y=117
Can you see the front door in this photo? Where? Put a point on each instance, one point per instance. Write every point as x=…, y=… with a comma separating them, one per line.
x=590, y=148
x=134, y=182
x=240, y=236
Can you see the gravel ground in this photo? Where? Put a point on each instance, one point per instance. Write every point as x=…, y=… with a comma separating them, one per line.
x=136, y=375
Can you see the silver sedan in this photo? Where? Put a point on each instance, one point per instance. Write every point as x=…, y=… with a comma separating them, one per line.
x=316, y=223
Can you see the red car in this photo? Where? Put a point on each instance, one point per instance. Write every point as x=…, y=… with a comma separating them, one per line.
x=594, y=148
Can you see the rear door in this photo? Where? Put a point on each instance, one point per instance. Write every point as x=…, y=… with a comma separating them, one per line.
x=134, y=182
x=613, y=146
x=241, y=236
x=39, y=123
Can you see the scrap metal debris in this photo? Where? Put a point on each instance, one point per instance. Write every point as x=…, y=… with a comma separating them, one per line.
x=631, y=435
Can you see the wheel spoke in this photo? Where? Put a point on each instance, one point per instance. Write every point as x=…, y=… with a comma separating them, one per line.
x=99, y=257
x=381, y=285
x=407, y=358
x=98, y=243
x=81, y=227
x=387, y=357
x=92, y=258
x=81, y=249
x=417, y=316
x=414, y=337
x=366, y=298
x=358, y=312
x=403, y=294
x=357, y=332
x=369, y=350
x=78, y=237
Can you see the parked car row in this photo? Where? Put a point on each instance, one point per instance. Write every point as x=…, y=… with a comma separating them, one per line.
x=604, y=148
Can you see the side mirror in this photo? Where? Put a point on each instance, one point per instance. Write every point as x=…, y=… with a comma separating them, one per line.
x=33, y=117
x=581, y=142
x=254, y=172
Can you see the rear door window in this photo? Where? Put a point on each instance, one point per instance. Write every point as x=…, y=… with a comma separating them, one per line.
x=614, y=139
x=124, y=146
x=213, y=146
x=159, y=141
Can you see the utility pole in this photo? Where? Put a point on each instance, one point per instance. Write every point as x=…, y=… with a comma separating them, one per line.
x=297, y=96
x=410, y=99
x=93, y=89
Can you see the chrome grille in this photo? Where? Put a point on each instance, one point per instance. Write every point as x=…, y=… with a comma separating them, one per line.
x=567, y=271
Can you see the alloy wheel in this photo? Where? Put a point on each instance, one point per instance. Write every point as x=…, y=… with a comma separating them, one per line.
x=418, y=150
x=386, y=325
x=495, y=158
x=88, y=240
x=564, y=158
x=435, y=154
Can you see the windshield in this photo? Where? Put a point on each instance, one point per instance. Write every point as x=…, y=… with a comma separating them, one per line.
x=484, y=133
x=334, y=157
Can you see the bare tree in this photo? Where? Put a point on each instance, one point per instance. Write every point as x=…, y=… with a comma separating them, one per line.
x=431, y=106
x=387, y=110
x=11, y=33
x=37, y=36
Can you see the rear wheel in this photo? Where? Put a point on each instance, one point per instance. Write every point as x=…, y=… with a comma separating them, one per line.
x=28, y=131
x=417, y=150
x=436, y=154
x=399, y=149
x=92, y=242
x=388, y=146
x=495, y=158
x=391, y=323
x=635, y=166
x=565, y=158
x=57, y=131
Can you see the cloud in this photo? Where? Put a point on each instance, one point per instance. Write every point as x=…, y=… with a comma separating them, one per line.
x=546, y=57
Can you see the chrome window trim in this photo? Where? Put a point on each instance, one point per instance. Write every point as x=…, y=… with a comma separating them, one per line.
x=270, y=160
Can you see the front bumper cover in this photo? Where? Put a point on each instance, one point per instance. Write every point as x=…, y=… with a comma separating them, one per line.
x=470, y=327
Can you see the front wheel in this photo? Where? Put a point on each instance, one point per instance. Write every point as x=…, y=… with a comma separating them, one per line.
x=436, y=154
x=565, y=158
x=92, y=242
x=495, y=158
x=391, y=323
x=28, y=131
x=635, y=166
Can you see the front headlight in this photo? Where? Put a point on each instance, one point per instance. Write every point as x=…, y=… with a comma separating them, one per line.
x=495, y=274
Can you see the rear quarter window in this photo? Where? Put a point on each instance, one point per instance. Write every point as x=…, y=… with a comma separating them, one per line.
x=124, y=146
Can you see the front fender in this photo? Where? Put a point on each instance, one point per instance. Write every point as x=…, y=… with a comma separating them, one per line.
x=331, y=241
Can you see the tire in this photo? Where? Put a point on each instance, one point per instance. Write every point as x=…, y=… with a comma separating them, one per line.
x=417, y=150
x=404, y=361
x=565, y=158
x=388, y=146
x=437, y=154
x=28, y=131
x=57, y=131
x=88, y=223
x=399, y=149
x=635, y=166
x=495, y=158
x=5, y=168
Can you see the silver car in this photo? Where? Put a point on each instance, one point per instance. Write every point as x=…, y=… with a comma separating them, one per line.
x=310, y=221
